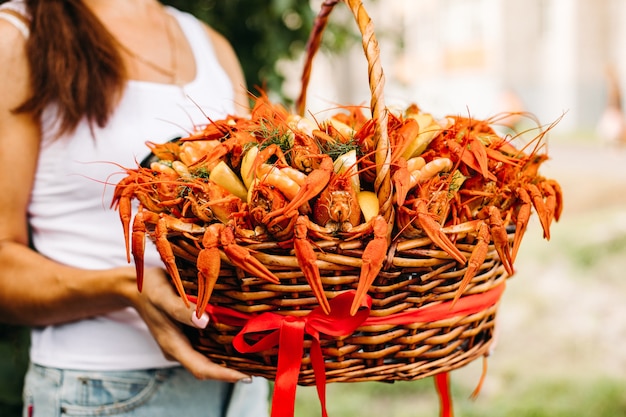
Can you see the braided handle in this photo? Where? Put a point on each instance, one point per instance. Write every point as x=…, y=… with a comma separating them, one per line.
x=382, y=183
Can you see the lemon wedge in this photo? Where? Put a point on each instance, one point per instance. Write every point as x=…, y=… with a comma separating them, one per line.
x=224, y=176
x=251, y=190
x=247, y=162
x=368, y=203
x=346, y=131
x=428, y=129
x=301, y=124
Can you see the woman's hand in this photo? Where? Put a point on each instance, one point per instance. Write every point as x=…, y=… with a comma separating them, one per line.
x=164, y=311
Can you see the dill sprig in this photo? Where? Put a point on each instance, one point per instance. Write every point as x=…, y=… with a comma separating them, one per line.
x=337, y=148
x=275, y=135
x=201, y=172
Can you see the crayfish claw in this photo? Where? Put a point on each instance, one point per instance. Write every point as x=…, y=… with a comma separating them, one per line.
x=307, y=260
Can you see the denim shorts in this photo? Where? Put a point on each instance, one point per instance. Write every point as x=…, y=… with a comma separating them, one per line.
x=50, y=392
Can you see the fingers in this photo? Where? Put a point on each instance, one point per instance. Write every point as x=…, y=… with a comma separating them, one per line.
x=163, y=311
x=176, y=346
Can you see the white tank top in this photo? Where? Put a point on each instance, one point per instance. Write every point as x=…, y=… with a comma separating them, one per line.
x=69, y=210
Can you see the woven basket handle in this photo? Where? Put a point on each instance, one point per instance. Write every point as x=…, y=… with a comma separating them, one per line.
x=382, y=184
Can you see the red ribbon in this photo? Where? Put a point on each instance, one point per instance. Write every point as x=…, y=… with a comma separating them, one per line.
x=470, y=304
x=288, y=333
x=268, y=330
x=442, y=383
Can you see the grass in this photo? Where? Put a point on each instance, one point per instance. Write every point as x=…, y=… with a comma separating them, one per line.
x=601, y=397
x=559, y=397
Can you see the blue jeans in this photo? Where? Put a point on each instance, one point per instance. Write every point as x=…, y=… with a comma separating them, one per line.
x=171, y=392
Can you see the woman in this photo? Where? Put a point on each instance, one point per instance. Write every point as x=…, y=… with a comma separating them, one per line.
x=85, y=83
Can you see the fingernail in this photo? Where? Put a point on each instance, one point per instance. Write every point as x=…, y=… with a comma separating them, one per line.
x=201, y=322
x=246, y=380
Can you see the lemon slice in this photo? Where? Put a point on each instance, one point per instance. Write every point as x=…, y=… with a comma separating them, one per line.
x=224, y=176
x=346, y=131
x=428, y=129
x=301, y=124
x=247, y=162
x=346, y=163
x=368, y=203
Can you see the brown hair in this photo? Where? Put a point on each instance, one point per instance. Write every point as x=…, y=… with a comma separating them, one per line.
x=74, y=64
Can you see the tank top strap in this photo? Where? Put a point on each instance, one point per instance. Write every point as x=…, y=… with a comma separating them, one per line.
x=203, y=50
x=209, y=72
x=10, y=11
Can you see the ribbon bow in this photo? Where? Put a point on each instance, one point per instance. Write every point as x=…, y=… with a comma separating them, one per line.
x=269, y=330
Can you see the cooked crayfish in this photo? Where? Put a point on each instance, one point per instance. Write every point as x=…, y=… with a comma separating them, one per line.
x=373, y=257
x=408, y=174
x=307, y=260
x=452, y=181
x=337, y=206
x=155, y=191
x=163, y=224
x=219, y=235
x=314, y=184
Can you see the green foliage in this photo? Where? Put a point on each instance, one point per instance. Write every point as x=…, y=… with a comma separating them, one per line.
x=595, y=397
x=14, y=342
x=365, y=399
x=591, y=254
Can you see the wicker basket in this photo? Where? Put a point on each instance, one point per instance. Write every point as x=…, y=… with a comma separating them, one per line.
x=416, y=276
x=376, y=352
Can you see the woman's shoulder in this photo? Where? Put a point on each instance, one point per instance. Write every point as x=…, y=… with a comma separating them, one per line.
x=12, y=38
x=14, y=14
x=13, y=62
x=217, y=40
x=17, y=6
x=225, y=55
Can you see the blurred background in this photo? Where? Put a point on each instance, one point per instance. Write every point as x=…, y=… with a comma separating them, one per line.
x=562, y=321
x=482, y=57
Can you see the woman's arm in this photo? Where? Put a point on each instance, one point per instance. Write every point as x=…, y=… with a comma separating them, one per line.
x=34, y=290
x=37, y=291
